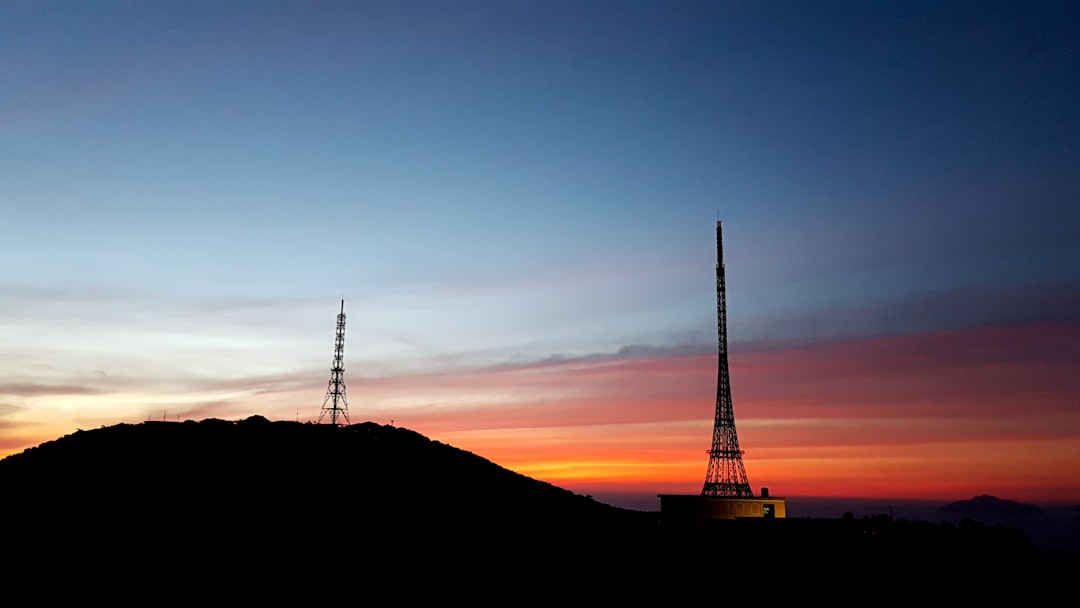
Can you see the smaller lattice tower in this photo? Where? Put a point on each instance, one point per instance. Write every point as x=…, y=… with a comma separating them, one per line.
x=335, y=403
x=726, y=475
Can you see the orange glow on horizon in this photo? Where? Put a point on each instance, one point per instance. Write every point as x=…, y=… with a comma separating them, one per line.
x=937, y=416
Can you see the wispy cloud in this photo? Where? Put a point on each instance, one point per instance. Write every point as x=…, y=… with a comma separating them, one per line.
x=37, y=390
x=924, y=312
x=1013, y=371
x=818, y=415
x=841, y=404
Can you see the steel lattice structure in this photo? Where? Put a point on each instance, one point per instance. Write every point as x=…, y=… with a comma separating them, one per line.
x=726, y=475
x=335, y=403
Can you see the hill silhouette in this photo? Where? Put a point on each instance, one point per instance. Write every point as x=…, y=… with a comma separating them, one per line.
x=268, y=504
x=313, y=475
x=287, y=498
x=990, y=505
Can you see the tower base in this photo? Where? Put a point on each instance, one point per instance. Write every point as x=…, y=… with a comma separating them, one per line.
x=695, y=510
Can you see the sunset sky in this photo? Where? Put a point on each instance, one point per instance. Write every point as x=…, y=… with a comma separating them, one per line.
x=517, y=202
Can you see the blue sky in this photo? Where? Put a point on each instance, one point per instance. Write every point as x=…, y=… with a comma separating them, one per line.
x=188, y=188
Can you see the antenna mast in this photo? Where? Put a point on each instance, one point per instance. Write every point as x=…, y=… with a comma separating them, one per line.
x=726, y=475
x=335, y=402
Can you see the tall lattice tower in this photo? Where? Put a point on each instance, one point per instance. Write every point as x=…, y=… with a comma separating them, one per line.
x=335, y=403
x=726, y=475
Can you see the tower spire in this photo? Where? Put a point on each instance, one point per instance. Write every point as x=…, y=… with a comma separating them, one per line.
x=726, y=475
x=335, y=403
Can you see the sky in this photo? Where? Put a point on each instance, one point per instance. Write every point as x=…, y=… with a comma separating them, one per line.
x=517, y=202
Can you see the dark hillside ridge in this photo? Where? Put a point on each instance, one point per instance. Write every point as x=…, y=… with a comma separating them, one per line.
x=282, y=504
x=156, y=473
x=281, y=500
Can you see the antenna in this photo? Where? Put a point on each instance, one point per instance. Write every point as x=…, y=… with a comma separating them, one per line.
x=335, y=402
x=726, y=475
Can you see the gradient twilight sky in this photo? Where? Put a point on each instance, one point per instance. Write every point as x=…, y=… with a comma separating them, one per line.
x=517, y=201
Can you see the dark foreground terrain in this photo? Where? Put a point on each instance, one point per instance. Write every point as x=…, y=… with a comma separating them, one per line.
x=289, y=511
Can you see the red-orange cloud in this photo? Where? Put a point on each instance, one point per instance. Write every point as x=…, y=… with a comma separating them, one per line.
x=930, y=415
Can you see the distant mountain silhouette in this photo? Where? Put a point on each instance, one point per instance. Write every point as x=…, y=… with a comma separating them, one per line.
x=990, y=505
x=284, y=510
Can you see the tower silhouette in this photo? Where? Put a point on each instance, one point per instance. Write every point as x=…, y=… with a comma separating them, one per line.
x=726, y=475
x=335, y=403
